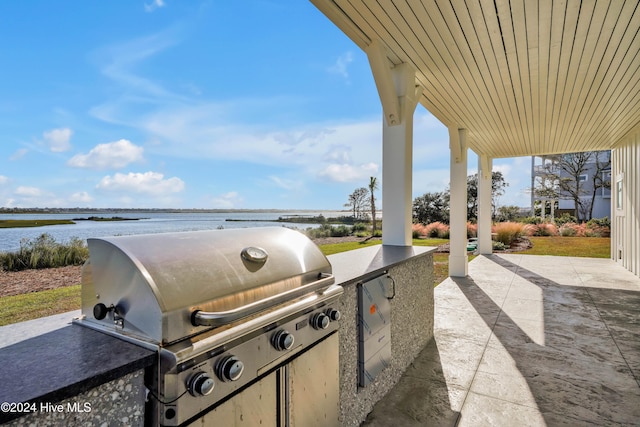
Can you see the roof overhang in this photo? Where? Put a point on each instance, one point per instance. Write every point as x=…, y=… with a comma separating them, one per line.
x=523, y=77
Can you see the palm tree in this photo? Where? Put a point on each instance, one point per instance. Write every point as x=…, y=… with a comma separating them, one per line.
x=373, y=186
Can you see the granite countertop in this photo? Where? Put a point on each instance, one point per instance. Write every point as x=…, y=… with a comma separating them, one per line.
x=361, y=264
x=60, y=360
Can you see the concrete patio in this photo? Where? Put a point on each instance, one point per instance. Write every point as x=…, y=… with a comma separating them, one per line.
x=526, y=341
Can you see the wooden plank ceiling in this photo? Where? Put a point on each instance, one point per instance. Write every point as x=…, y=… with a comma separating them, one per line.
x=524, y=77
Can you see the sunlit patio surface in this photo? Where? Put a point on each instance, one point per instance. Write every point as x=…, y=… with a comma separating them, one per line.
x=527, y=341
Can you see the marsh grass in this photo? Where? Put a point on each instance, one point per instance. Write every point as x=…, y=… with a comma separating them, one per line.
x=17, y=223
x=45, y=252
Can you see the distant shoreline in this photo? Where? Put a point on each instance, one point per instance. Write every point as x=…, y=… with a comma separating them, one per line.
x=22, y=211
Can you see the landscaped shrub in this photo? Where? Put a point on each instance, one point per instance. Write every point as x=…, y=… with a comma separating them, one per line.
x=319, y=232
x=340, y=231
x=498, y=246
x=598, y=227
x=597, y=231
x=600, y=222
x=568, y=230
x=472, y=230
x=544, y=229
x=508, y=232
x=45, y=252
x=438, y=229
x=565, y=218
x=572, y=229
x=359, y=227
x=435, y=229
x=531, y=220
x=419, y=230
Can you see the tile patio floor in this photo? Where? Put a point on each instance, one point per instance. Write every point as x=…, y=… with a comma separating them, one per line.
x=526, y=341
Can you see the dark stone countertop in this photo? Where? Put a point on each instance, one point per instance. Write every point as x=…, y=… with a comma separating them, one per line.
x=361, y=264
x=61, y=363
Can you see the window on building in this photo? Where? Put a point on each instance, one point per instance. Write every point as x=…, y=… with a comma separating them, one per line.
x=619, y=191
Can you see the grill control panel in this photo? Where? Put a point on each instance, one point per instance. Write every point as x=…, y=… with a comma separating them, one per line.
x=199, y=383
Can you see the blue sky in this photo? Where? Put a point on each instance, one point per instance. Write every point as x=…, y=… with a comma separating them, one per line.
x=196, y=104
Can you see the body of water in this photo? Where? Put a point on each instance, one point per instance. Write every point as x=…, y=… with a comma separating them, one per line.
x=151, y=222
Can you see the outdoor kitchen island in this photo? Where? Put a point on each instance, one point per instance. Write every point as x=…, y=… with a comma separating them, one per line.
x=41, y=370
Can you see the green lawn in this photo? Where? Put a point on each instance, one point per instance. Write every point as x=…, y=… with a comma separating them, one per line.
x=591, y=247
x=18, y=308
x=334, y=248
x=39, y=304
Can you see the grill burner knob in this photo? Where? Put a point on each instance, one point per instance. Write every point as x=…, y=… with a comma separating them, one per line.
x=200, y=384
x=100, y=311
x=320, y=321
x=229, y=368
x=333, y=314
x=282, y=340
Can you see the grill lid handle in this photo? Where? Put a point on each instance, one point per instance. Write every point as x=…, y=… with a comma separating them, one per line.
x=219, y=318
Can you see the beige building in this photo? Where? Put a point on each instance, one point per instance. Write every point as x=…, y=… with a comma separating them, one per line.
x=508, y=78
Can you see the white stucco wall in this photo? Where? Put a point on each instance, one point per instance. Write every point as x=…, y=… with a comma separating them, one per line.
x=625, y=205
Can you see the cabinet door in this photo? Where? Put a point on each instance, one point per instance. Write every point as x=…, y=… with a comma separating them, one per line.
x=314, y=386
x=254, y=406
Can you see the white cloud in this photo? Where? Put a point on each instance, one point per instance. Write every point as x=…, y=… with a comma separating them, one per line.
x=26, y=196
x=152, y=183
x=3, y=179
x=155, y=4
x=19, y=154
x=81, y=197
x=23, y=191
x=58, y=139
x=287, y=184
x=341, y=65
x=112, y=155
x=228, y=200
x=338, y=154
x=348, y=173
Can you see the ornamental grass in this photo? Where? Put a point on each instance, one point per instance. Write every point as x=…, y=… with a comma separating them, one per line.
x=508, y=232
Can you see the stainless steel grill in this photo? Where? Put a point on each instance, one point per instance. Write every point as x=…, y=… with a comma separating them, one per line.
x=227, y=310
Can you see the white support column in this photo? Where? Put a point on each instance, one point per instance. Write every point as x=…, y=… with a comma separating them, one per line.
x=485, y=166
x=397, y=163
x=399, y=96
x=458, y=262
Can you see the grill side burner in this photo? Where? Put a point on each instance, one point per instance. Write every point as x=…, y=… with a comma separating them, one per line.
x=224, y=309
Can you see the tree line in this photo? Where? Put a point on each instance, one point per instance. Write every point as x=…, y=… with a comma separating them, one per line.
x=434, y=206
x=563, y=179
x=430, y=207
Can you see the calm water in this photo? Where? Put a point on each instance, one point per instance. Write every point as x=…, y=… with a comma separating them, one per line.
x=155, y=222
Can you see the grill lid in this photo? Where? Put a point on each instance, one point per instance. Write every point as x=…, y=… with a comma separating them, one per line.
x=168, y=286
